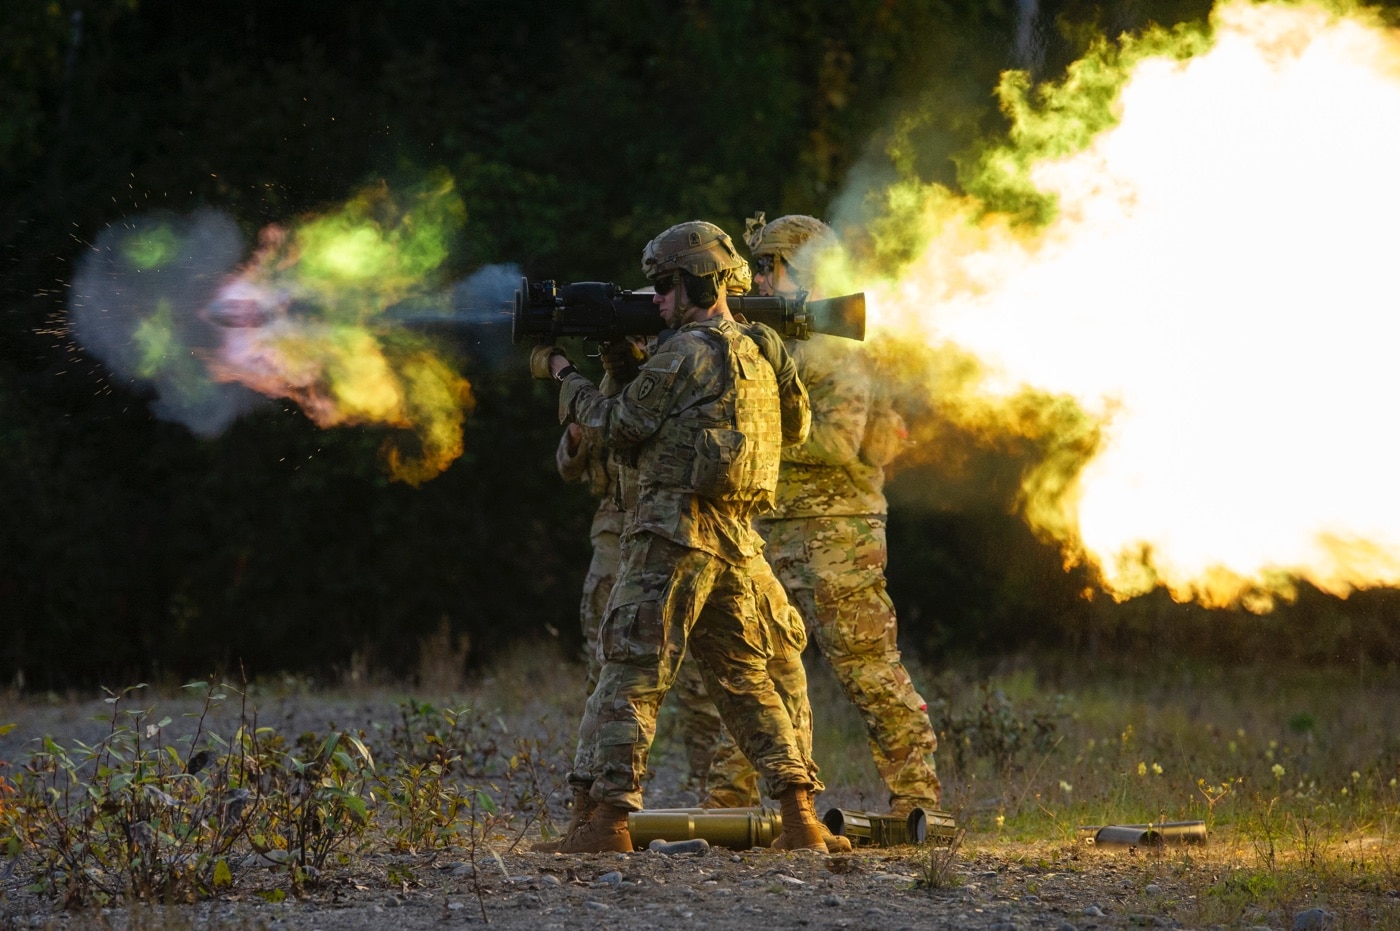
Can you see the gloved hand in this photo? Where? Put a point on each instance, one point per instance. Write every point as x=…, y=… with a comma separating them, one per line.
x=770, y=343
x=540, y=357
x=622, y=359
x=886, y=436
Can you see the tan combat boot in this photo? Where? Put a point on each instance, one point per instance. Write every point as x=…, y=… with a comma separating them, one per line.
x=605, y=832
x=801, y=829
x=583, y=810
x=835, y=843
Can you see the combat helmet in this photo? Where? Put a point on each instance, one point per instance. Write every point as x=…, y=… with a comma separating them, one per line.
x=699, y=249
x=796, y=239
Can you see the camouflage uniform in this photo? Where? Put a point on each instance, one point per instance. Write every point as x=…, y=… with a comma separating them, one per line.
x=590, y=464
x=697, y=719
x=728, y=779
x=826, y=543
x=692, y=568
x=698, y=726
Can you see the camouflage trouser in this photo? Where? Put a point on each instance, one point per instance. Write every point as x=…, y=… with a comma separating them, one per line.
x=697, y=723
x=697, y=718
x=597, y=585
x=834, y=571
x=730, y=781
x=668, y=597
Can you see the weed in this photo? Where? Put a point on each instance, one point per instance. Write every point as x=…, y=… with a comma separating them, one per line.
x=996, y=729
x=936, y=868
x=137, y=818
x=420, y=799
x=131, y=817
x=310, y=798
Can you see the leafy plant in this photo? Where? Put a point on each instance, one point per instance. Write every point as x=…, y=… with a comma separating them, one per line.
x=311, y=800
x=996, y=729
x=421, y=801
x=131, y=817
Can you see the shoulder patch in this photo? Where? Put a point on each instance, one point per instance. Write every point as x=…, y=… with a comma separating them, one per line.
x=655, y=379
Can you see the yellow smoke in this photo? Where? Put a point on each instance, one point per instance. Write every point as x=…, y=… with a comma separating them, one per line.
x=339, y=359
x=1183, y=261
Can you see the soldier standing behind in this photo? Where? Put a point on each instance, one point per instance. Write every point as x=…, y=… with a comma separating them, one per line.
x=826, y=535
x=581, y=457
x=703, y=426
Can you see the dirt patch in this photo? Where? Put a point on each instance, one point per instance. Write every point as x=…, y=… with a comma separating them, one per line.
x=990, y=884
x=719, y=890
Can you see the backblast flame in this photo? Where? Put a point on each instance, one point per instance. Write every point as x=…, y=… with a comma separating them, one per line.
x=1199, y=260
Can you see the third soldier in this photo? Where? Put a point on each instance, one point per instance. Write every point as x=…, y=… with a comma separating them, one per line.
x=826, y=536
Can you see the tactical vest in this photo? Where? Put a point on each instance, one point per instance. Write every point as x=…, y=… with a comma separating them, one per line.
x=725, y=444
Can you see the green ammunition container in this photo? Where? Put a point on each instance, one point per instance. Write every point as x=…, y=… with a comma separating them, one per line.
x=932, y=826
x=868, y=829
x=734, y=828
x=1150, y=835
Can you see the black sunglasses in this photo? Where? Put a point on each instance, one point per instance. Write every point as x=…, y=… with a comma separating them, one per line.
x=763, y=265
x=664, y=284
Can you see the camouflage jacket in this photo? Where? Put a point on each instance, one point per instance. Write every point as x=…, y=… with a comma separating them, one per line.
x=592, y=465
x=832, y=474
x=688, y=372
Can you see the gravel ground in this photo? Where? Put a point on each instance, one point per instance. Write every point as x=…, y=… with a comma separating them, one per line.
x=989, y=884
x=717, y=891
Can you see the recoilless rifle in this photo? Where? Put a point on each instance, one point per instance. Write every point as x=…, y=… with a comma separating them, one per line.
x=546, y=312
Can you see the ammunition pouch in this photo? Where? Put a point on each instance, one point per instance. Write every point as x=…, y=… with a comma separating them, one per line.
x=721, y=463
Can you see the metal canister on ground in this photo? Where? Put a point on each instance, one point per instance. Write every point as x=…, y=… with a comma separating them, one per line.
x=734, y=828
x=1149, y=835
x=869, y=829
x=932, y=826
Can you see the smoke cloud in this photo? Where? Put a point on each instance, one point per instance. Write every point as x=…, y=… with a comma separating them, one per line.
x=134, y=304
x=334, y=311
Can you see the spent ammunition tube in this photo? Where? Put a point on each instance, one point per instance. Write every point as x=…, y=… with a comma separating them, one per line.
x=868, y=829
x=1150, y=835
x=932, y=826
x=1121, y=835
x=734, y=828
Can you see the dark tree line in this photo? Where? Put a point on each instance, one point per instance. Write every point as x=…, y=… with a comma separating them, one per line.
x=133, y=548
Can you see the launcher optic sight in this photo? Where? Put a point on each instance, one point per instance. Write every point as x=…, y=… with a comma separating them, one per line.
x=546, y=312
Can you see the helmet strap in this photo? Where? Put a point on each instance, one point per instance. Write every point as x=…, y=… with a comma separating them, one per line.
x=682, y=296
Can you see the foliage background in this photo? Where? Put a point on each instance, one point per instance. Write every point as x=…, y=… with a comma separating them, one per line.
x=132, y=548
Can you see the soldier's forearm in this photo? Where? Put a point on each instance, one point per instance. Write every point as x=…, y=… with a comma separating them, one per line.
x=826, y=445
x=619, y=425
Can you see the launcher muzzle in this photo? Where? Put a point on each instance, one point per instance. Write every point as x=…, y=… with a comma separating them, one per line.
x=546, y=312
